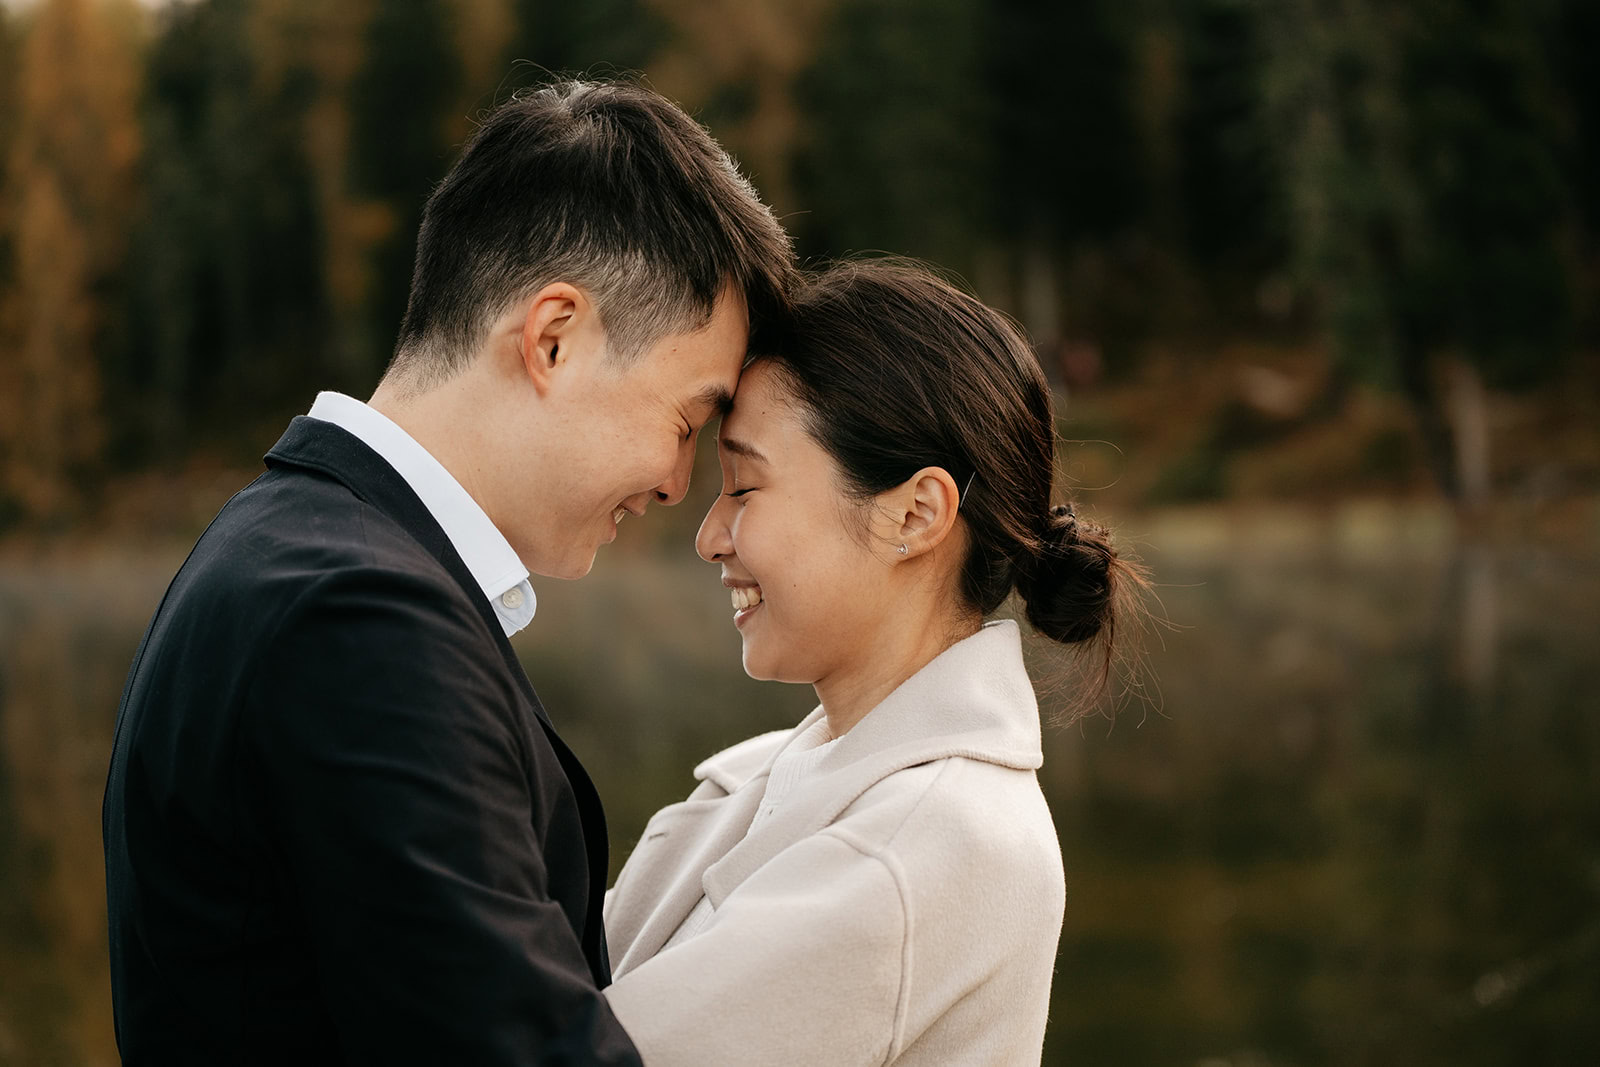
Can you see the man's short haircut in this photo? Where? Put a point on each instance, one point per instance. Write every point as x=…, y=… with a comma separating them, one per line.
x=605, y=185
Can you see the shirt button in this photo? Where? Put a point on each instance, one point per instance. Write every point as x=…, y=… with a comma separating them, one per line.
x=512, y=598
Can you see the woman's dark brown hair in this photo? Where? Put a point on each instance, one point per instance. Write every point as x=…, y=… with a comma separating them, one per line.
x=898, y=370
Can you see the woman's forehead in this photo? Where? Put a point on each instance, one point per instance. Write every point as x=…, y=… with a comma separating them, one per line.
x=756, y=403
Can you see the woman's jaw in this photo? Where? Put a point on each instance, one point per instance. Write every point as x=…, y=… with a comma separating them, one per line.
x=869, y=651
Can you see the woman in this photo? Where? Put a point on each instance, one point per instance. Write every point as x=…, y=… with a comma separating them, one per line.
x=882, y=883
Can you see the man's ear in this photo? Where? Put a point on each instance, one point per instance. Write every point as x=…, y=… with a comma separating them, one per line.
x=551, y=321
x=926, y=511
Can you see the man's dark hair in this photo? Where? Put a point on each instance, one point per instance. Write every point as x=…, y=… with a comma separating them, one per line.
x=608, y=186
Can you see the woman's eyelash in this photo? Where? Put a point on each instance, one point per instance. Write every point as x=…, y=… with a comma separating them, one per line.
x=738, y=492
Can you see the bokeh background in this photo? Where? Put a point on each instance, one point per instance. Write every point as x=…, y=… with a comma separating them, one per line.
x=1315, y=281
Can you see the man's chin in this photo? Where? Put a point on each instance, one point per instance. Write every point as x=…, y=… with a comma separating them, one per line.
x=566, y=570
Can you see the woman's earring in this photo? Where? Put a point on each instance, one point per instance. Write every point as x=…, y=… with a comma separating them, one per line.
x=903, y=548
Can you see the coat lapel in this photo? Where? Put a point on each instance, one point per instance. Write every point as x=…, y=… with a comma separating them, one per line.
x=710, y=827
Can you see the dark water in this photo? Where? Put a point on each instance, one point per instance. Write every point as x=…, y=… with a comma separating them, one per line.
x=1362, y=825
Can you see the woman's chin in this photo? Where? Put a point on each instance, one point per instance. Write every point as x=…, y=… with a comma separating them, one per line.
x=765, y=669
x=754, y=667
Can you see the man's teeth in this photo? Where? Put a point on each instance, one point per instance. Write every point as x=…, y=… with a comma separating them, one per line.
x=616, y=516
x=745, y=597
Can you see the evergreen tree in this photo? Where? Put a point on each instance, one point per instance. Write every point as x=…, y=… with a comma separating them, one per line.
x=602, y=37
x=227, y=312
x=1066, y=186
x=896, y=148
x=1057, y=88
x=1231, y=190
x=401, y=105
x=1428, y=200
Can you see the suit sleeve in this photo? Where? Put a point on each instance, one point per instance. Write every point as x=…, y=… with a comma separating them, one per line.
x=394, y=779
x=806, y=961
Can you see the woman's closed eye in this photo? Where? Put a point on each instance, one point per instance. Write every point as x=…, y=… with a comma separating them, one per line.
x=737, y=493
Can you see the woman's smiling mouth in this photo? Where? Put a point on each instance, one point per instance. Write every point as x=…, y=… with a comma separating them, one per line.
x=746, y=601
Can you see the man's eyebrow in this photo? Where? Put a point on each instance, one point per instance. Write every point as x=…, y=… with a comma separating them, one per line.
x=716, y=398
x=740, y=448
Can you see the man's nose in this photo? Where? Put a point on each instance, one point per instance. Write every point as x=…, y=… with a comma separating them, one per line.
x=676, y=487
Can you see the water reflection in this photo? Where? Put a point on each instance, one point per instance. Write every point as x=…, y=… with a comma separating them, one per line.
x=1363, y=827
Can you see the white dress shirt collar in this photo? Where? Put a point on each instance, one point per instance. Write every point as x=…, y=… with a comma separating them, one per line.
x=482, y=547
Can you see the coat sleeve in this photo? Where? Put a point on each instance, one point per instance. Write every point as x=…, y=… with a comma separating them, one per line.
x=806, y=961
x=394, y=780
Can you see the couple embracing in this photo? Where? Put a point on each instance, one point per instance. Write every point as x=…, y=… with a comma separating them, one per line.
x=341, y=828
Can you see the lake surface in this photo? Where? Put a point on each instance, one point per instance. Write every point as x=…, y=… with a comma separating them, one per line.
x=1355, y=819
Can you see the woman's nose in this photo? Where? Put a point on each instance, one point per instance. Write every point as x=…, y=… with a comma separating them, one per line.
x=713, y=542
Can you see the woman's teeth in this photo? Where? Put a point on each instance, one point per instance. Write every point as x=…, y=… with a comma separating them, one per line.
x=616, y=516
x=745, y=597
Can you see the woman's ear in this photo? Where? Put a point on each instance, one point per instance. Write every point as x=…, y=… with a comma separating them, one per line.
x=926, y=511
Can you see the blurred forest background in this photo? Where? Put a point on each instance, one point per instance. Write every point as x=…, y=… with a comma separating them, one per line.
x=1360, y=234
x=1316, y=281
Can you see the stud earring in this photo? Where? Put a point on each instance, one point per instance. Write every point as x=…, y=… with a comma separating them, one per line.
x=903, y=548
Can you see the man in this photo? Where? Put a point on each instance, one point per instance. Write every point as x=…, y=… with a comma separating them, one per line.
x=339, y=827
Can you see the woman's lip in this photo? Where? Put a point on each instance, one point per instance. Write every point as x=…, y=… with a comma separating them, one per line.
x=742, y=616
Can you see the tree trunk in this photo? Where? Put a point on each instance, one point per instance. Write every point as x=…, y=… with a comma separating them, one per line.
x=1469, y=418
x=1422, y=392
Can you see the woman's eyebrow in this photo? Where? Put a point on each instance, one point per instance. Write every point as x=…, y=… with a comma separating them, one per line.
x=740, y=448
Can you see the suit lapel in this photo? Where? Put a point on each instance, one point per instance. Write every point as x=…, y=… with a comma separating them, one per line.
x=331, y=450
x=341, y=455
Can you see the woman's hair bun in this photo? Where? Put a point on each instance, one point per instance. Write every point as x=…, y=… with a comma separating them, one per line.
x=1067, y=586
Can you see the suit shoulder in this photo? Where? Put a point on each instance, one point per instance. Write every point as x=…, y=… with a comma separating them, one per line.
x=293, y=546
x=288, y=529
x=297, y=513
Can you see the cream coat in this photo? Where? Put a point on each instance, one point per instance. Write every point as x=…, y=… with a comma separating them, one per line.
x=902, y=906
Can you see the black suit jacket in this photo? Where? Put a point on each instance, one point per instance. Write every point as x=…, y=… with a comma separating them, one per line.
x=338, y=826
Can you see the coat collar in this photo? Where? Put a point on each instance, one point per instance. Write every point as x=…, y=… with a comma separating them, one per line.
x=973, y=700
